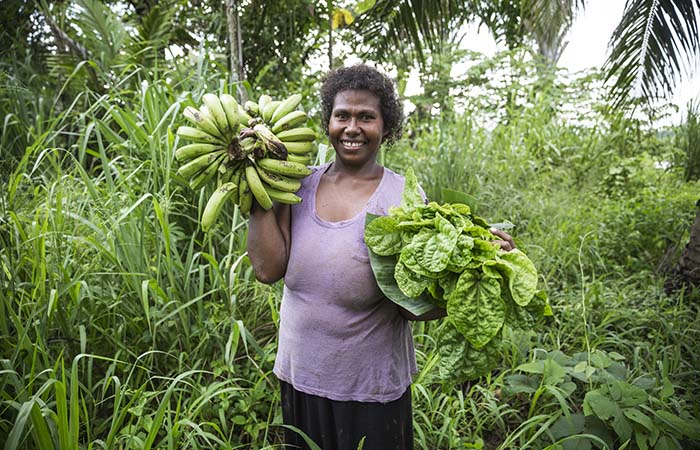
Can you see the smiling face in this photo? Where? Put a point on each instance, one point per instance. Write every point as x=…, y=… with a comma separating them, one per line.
x=356, y=127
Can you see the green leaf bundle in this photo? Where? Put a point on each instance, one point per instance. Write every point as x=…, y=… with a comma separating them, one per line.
x=428, y=255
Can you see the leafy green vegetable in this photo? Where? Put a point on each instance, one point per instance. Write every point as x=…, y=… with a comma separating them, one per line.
x=384, y=236
x=427, y=255
x=476, y=308
x=522, y=280
x=459, y=360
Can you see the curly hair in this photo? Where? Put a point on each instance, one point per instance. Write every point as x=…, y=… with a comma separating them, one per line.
x=363, y=77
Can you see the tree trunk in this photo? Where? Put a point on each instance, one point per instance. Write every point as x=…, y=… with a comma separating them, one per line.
x=330, y=34
x=235, y=48
x=689, y=266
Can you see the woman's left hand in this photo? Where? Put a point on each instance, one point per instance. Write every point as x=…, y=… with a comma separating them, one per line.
x=506, y=242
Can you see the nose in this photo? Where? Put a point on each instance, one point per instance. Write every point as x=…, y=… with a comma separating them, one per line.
x=352, y=127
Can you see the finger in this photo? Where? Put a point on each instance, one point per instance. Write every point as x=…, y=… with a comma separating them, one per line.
x=504, y=245
x=504, y=236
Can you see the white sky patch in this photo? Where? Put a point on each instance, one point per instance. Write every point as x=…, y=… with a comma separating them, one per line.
x=587, y=48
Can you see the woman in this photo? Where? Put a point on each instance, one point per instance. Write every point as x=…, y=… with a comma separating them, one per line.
x=345, y=357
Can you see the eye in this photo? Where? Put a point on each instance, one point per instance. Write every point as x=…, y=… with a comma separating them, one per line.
x=367, y=117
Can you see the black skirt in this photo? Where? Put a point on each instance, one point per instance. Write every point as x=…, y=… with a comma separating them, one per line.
x=338, y=425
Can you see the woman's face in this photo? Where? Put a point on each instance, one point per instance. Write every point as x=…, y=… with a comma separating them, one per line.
x=356, y=127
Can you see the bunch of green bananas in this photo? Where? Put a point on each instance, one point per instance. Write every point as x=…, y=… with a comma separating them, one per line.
x=259, y=151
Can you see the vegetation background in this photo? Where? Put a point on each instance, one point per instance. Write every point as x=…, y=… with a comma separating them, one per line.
x=123, y=326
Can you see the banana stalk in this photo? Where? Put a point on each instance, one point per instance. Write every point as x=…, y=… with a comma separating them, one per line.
x=274, y=146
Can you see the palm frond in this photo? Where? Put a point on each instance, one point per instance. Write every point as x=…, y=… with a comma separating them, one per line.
x=653, y=46
x=153, y=33
x=103, y=32
x=547, y=22
x=415, y=25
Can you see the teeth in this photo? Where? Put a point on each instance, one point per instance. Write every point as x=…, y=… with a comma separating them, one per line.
x=352, y=144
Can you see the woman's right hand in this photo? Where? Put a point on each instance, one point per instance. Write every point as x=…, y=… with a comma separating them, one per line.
x=268, y=242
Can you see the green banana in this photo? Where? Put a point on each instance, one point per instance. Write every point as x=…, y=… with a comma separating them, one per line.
x=298, y=134
x=299, y=148
x=259, y=149
x=288, y=105
x=251, y=108
x=262, y=102
x=287, y=168
x=206, y=175
x=203, y=120
x=190, y=151
x=305, y=160
x=289, y=121
x=282, y=197
x=216, y=203
x=279, y=182
x=269, y=110
x=257, y=188
x=213, y=104
x=243, y=117
x=224, y=177
x=197, y=135
x=245, y=197
x=236, y=179
x=247, y=144
x=199, y=163
x=230, y=106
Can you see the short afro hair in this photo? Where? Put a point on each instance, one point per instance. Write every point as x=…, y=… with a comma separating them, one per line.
x=363, y=77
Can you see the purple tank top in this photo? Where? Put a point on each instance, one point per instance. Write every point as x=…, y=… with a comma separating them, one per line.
x=339, y=337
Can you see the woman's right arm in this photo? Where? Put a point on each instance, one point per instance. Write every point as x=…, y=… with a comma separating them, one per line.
x=269, y=233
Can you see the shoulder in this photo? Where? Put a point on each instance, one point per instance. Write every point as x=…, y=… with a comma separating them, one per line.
x=397, y=182
x=393, y=181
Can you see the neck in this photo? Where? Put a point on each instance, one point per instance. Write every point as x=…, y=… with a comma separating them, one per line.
x=371, y=169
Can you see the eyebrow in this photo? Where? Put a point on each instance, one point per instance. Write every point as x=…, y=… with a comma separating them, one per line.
x=361, y=111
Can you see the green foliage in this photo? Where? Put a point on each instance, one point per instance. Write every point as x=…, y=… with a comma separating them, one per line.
x=122, y=325
x=689, y=137
x=616, y=411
